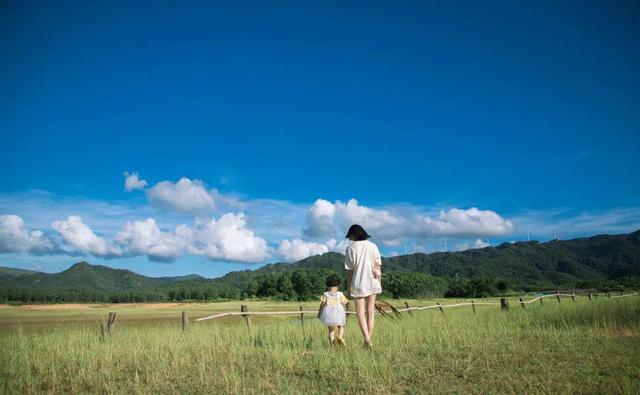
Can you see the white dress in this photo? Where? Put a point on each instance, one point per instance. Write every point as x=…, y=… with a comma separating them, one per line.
x=361, y=257
x=333, y=313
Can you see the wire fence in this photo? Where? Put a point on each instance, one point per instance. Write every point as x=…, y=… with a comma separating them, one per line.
x=503, y=302
x=382, y=308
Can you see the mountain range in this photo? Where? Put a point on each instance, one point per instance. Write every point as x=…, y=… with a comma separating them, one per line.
x=531, y=264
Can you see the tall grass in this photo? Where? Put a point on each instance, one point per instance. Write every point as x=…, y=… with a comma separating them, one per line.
x=590, y=347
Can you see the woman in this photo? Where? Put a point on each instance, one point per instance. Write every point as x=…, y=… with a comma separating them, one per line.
x=362, y=262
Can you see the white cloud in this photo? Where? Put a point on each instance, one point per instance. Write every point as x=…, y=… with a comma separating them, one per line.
x=267, y=224
x=479, y=243
x=80, y=236
x=132, y=182
x=298, y=249
x=326, y=219
x=338, y=246
x=145, y=238
x=320, y=219
x=226, y=239
x=371, y=219
x=15, y=238
x=185, y=196
x=461, y=223
x=229, y=239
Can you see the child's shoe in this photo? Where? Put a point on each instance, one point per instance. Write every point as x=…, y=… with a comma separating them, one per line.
x=340, y=341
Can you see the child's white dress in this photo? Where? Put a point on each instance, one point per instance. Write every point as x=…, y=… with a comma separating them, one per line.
x=333, y=313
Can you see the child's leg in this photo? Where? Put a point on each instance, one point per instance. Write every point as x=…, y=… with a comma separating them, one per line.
x=332, y=334
x=341, y=332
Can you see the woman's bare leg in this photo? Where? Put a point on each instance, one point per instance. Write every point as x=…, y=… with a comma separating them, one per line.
x=371, y=319
x=362, y=320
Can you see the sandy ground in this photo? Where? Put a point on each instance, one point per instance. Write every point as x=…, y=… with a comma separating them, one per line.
x=81, y=306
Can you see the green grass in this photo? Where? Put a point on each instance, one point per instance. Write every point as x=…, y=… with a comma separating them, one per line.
x=586, y=347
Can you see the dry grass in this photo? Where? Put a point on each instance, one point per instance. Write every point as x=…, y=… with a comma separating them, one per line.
x=569, y=348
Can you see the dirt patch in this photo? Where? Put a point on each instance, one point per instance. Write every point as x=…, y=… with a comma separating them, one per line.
x=622, y=333
x=80, y=306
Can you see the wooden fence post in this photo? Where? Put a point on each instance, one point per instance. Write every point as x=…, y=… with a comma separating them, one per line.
x=408, y=311
x=608, y=294
x=590, y=296
x=247, y=318
x=573, y=296
x=102, y=331
x=382, y=312
x=558, y=296
x=185, y=321
x=541, y=299
x=504, y=304
x=395, y=311
x=522, y=303
x=473, y=306
x=441, y=309
x=301, y=317
x=111, y=322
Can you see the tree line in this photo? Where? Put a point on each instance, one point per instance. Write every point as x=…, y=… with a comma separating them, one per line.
x=299, y=284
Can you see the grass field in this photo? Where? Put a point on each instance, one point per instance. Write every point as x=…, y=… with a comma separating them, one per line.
x=587, y=347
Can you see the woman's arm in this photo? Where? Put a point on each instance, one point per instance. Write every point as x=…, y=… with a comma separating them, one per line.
x=349, y=277
x=377, y=263
x=377, y=272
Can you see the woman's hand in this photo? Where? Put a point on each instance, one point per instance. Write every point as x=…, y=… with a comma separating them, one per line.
x=377, y=273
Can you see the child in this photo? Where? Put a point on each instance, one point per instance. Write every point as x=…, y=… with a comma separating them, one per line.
x=331, y=311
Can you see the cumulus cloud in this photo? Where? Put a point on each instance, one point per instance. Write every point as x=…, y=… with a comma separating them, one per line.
x=374, y=219
x=185, y=196
x=14, y=237
x=461, y=223
x=298, y=249
x=479, y=243
x=81, y=237
x=320, y=219
x=132, y=181
x=145, y=238
x=229, y=239
x=326, y=219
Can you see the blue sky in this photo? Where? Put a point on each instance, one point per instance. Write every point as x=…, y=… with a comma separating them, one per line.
x=460, y=123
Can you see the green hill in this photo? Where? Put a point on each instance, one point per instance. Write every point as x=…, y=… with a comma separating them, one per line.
x=10, y=271
x=526, y=264
x=597, y=260
x=82, y=275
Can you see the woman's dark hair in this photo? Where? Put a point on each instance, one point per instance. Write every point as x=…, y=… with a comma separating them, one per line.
x=333, y=280
x=357, y=233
